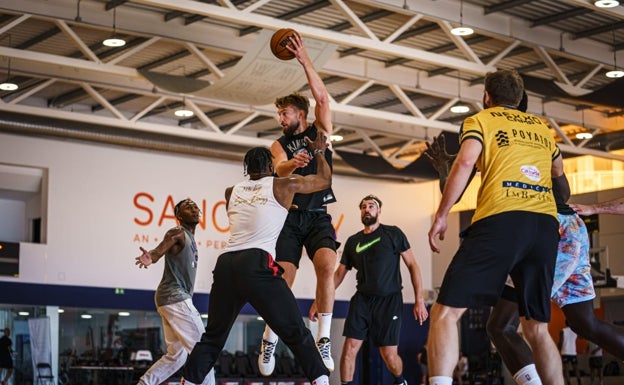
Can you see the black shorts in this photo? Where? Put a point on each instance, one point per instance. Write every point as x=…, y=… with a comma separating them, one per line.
x=376, y=316
x=517, y=243
x=595, y=362
x=569, y=358
x=6, y=363
x=312, y=229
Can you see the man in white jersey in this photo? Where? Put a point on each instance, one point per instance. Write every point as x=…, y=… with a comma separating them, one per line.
x=182, y=324
x=247, y=271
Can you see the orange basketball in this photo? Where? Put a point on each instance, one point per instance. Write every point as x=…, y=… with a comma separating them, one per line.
x=279, y=41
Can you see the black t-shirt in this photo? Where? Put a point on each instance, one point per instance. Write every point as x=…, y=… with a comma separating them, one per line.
x=5, y=347
x=377, y=258
x=296, y=144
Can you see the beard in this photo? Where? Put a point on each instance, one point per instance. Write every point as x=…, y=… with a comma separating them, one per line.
x=289, y=130
x=369, y=220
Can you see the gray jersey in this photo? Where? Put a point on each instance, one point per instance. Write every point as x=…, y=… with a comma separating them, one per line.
x=178, y=277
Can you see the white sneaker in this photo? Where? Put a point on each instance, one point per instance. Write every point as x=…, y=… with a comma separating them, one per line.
x=266, y=359
x=324, y=347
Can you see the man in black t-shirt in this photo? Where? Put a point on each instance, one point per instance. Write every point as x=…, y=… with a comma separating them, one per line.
x=376, y=307
x=6, y=360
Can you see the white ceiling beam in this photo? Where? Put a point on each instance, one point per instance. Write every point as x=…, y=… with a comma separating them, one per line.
x=147, y=109
x=560, y=132
x=413, y=20
x=102, y=100
x=8, y=26
x=165, y=129
x=347, y=99
x=550, y=63
x=502, y=54
x=31, y=91
x=242, y=123
x=256, y=5
x=503, y=26
x=373, y=145
x=204, y=59
x=400, y=150
x=589, y=75
x=134, y=50
x=407, y=102
x=129, y=80
x=459, y=42
x=354, y=19
x=77, y=40
x=261, y=21
x=444, y=108
x=208, y=123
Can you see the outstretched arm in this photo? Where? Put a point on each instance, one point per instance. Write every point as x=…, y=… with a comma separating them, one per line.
x=172, y=242
x=322, y=113
x=420, y=309
x=615, y=206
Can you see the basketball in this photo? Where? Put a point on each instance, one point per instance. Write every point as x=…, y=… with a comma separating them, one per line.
x=279, y=41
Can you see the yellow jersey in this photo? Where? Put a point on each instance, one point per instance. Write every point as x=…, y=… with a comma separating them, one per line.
x=515, y=162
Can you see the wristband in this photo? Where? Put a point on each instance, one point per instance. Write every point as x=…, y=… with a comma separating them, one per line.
x=318, y=151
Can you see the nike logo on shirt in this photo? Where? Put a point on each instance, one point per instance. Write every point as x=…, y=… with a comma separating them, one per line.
x=359, y=248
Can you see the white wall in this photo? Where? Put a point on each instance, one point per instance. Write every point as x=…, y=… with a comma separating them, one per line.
x=106, y=201
x=13, y=222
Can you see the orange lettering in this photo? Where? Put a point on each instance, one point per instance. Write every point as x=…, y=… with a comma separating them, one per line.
x=214, y=218
x=150, y=216
x=168, y=204
x=202, y=219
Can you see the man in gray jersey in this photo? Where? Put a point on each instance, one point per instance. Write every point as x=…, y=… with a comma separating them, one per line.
x=182, y=324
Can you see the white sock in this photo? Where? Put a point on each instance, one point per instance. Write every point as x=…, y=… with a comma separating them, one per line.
x=527, y=376
x=324, y=325
x=440, y=380
x=269, y=334
x=322, y=380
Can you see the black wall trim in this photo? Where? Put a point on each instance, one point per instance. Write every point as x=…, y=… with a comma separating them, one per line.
x=113, y=298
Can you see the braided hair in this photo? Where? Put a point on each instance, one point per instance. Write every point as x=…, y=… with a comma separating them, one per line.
x=257, y=160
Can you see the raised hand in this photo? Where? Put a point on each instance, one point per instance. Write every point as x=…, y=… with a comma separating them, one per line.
x=436, y=152
x=143, y=260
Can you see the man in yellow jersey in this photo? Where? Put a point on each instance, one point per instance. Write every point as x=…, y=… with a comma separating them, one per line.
x=514, y=230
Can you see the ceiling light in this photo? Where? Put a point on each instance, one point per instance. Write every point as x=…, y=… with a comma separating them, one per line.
x=61, y=310
x=584, y=135
x=615, y=73
x=460, y=109
x=611, y=74
x=462, y=31
x=183, y=113
x=123, y=313
x=606, y=3
x=86, y=316
x=23, y=313
x=8, y=86
x=204, y=315
x=114, y=41
x=336, y=138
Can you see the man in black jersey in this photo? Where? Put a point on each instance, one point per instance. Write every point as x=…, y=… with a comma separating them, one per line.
x=376, y=307
x=308, y=223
